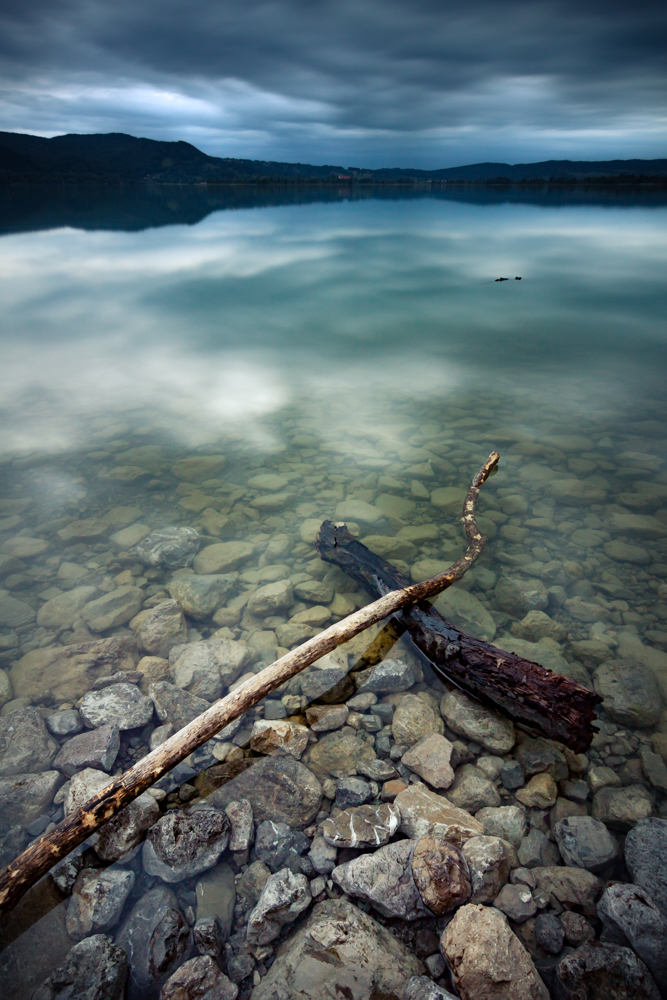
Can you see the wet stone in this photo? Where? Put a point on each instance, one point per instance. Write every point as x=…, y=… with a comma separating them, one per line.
x=66, y=723
x=183, y=844
x=536, y=850
x=646, y=858
x=621, y=808
x=279, y=737
x=216, y=896
x=423, y=811
x=322, y=856
x=283, y=898
x=97, y=901
x=388, y=677
x=122, y=705
x=337, y=754
x=170, y=547
x=606, y=971
x=96, y=748
x=324, y=718
x=278, y=788
x=585, y=843
x=252, y=882
x=506, y=822
x=430, y=759
x=24, y=797
x=516, y=901
x=174, y=705
x=205, y=668
x=15, y=613
x=239, y=814
x=413, y=719
x=127, y=828
x=539, y=756
x=199, y=979
x=474, y=721
x=25, y=743
x=208, y=936
x=631, y=918
x=156, y=939
x=352, y=791
x=112, y=609
x=278, y=846
x=441, y=874
x=512, y=775
x=95, y=969
x=365, y=826
x=472, y=789
x=163, y=628
x=489, y=866
x=541, y=792
x=199, y=596
x=384, y=879
x=549, y=933
x=630, y=694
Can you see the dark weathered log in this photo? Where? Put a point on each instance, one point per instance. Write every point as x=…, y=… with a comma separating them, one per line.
x=50, y=848
x=527, y=692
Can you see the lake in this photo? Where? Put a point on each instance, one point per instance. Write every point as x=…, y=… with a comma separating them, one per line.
x=248, y=362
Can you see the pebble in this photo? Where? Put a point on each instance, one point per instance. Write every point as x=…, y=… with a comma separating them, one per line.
x=413, y=719
x=621, y=808
x=472, y=789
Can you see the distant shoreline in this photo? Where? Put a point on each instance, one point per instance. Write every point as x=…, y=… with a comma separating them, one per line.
x=623, y=182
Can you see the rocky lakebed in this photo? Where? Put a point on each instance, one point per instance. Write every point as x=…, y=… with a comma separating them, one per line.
x=367, y=832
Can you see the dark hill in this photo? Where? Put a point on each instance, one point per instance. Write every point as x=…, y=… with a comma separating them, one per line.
x=116, y=157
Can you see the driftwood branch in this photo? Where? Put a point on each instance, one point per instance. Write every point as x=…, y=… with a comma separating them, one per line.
x=562, y=709
x=45, y=852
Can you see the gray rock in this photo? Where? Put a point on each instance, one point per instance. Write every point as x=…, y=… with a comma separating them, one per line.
x=630, y=693
x=487, y=958
x=654, y=768
x=216, y=896
x=205, y=668
x=25, y=744
x=156, y=939
x=489, y=866
x=208, y=936
x=646, y=858
x=352, y=791
x=516, y=901
x=605, y=971
x=252, y=882
x=171, y=547
x=200, y=596
x=112, y=609
x=62, y=611
x=283, y=898
x=199, y=979
x=95, y=969
x=338, y=754
x=536, y=850
x=65, y=874
x=549, y=933
x=414, y=718
x=97, y=901
x=278, y=788
x=174, y=705
x=422, y=988
x=83, y=786
x=278, y=846
x=577, y=929
x=15, y=614
x=66, y=723
x=322, y=856
x=271, y=599
x=631, y=918
x=122, y=705
x=512, y=775
x=163, y=628
x=24, y=797
x=430, y=759
x=463, y=610
x=518, y=595
x=384, y=879
x=473, y=720
x=377, y=770
x=472, y=789
x=323, y=675
x=538, y=756
x=240, y=818
x=574, y=887
x=585, y=842
x=387, y=677
x=506, y=822
x=96, y=748
x=621, y=808
x=182, y=844
x=365, y=826
x=127, y=829
x=423, y=811
x=339, y=951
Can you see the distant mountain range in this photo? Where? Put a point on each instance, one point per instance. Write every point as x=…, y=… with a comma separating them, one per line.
x=116, y=157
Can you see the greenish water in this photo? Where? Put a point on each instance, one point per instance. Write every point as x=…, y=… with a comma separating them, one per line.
x=361, y=353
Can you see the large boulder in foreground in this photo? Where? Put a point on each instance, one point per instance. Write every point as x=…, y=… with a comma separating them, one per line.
x=338, y=952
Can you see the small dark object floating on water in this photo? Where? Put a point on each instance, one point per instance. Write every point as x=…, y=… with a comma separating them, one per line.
x=506, y=279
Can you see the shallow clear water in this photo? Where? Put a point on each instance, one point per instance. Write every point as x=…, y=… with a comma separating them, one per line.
x=360, y=350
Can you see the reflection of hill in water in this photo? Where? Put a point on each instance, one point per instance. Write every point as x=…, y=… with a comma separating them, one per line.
x=31, y=207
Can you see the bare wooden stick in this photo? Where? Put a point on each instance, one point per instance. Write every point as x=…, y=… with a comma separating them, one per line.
x=45, y=852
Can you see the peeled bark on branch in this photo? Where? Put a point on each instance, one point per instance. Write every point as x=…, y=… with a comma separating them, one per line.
x=562, y=709
x=50, y=848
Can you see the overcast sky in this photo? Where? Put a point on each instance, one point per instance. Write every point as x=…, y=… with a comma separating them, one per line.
x=424, y=83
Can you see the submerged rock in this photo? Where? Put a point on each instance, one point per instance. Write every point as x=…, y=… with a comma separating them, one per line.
x=95, y=969
x=605, y=970
x=385, y=879
x=278, y=788
x=182, y=844
x=26, y=746
x=199, y=978
x=473, y=720
x=97, y=901
x=122, y=705
x=283, y=898
x=156, y=939
x=364, y=826
x=441, y=874
x=171, y=547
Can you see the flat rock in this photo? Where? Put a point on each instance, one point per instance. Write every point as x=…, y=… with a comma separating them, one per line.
x=97, y=901
x=70, y=671
x=182, y=844
x=196, y=468
x=323, y=678
x=199, y=978
x=156, y=938
x=205, y=668
x=430, y=759
x=585, y=842
x=222, y=557
x=384, y=879
x=507, y=822
x=606, y=971
x=95, y=969
x=518, y=595
x=96, y=748
x=487, y=959
x=112, y=609
x=163, y=628
x=199, y=596
x=631, y=918
x=441, y=874
x=271, y=599
x=278, y=788
x=387, y=677
x=283, y=898
x=62, y=611
x=15, y=613
x=24, y=797
x=465, y=612
x=171, y=547
x=571, y=886
x=122, y=705
x=469, y=718
x=26, y=746
x=488, y=865
x=413, y=719
x=646, y=858
x=423, y=811
x=621, y=808
x=175, y=705
x=364, y=826
x=630, y=693
x=338, y=949
x=325, y=718
x=338, y=754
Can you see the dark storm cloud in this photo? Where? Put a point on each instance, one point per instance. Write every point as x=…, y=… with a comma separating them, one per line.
x=404, y=81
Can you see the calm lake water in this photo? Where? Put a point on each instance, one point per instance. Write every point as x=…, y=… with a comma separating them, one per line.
x=327, y=356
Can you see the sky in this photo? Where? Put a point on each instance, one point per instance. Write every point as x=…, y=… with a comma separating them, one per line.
x=372, y=83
